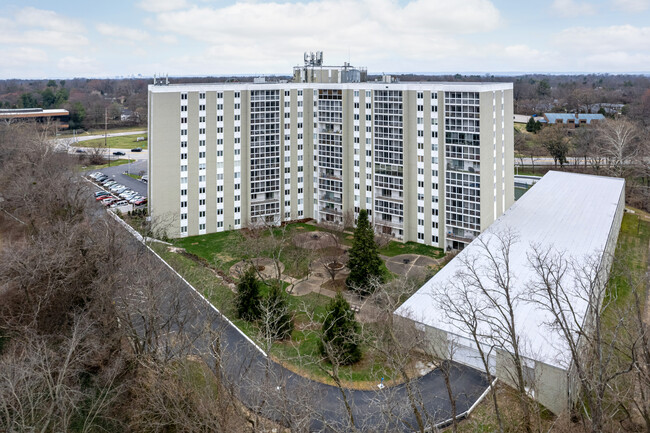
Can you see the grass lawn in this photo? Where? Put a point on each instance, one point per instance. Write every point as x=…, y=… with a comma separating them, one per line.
x=122, y=142
x=527, y=171
x=301, y=353
x=631, y=257
x=396, y=248
x=112, y=164
x=134, y=176
x=69, y=133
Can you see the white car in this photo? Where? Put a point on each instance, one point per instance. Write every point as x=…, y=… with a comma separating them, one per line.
x=136, y=198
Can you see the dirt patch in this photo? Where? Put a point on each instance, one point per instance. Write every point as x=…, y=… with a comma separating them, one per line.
x=315, y=240
x=337, y=285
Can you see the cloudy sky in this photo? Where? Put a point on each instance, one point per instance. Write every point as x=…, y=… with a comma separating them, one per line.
x=74, y=38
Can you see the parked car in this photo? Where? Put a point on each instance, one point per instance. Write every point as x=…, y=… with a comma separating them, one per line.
x=108, y=201
x=145, y=178
x=103, y=197
x=127, y=193
x=137, y=149
x=94, y=175
x=136, y=198
x=119, y=153
x=117, y=186
x=101, y=178
x=119, y=203
x=140, y=202
x=107, y=181
x=98, y=193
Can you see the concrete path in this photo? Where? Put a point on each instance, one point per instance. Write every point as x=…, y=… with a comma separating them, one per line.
x=411, y=265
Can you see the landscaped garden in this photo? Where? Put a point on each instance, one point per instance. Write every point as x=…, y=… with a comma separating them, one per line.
x=307, y=273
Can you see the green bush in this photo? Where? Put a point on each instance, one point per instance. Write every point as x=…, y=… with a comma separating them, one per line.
x=248, y=296
x=340, y=333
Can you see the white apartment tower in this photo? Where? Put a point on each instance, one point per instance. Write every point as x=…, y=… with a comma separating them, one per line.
x=432, y=162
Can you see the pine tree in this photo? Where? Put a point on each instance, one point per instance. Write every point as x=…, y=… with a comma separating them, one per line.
x=364, y=262
x=340, y=338
x=248, y=296
x=278, y=321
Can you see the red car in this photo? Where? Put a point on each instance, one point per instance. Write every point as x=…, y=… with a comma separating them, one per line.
x=103, y=197
x=141, y=201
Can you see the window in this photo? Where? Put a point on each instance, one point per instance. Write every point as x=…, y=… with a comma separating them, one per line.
x=237, y=95
x=183, y=156
x=201, y=214
x=183, y=192
x=201, y=95
x=183, y=144
x=201, y=226
x=202, y=202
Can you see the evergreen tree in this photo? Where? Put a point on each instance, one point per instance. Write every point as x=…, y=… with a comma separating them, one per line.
x=248, y=296
x=340, y=333
x=533, y=125
x=278, y=322
x=364, y=262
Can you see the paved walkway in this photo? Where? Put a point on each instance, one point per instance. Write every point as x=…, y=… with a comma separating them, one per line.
x=275, y=392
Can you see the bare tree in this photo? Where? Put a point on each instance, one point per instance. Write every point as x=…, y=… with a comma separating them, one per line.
x=489, y=276
x=617, y=143
x=465, y=311
x=562, y=287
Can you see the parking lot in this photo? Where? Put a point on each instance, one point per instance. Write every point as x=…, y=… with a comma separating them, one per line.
x=126, y=193
x=117, y=173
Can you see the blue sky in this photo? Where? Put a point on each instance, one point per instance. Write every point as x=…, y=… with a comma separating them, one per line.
x=71, y=38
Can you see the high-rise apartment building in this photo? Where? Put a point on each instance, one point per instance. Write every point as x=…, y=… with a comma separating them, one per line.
x=431, y=162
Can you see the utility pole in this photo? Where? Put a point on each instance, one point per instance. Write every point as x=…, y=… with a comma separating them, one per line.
x=106, y=135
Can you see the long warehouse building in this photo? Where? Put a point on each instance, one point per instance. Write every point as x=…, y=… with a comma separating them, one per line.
x=431, y=162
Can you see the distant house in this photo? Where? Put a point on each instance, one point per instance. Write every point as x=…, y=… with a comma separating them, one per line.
x=571, y=119
x=127, y=115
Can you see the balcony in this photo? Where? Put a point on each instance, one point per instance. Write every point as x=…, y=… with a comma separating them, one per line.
x=263, y=200
x=464, y=168
x=330, y=210
x=389, y=223
x=331, y=176
x=390, y=197
x=331, y=198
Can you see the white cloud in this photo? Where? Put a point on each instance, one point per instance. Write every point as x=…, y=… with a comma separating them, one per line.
x=50, y=20
x=571, y=8
x=37, y=27
x=162, y=5
x=16, y=57
x=78, y=66
x=122, y=33
x=263, y=35
x=626, y=38
x=632, y=5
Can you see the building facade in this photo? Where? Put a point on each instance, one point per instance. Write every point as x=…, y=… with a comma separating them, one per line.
x=431, y=162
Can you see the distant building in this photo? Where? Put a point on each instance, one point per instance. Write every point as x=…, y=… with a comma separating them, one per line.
x=431, y=162
x=521, y=118
x=571, y=119
x=36, y=114
x=127, y=115
x=566, y=213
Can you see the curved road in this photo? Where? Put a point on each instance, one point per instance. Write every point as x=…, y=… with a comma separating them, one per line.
x=271, y=390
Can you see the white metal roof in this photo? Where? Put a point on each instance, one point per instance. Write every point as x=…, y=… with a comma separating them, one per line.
x=572, y=213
